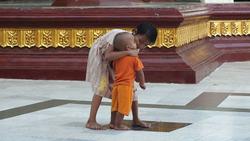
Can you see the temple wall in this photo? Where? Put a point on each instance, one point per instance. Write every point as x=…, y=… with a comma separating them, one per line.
x=53, y=43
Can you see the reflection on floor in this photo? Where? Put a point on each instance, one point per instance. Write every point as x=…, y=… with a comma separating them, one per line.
x=157, y=126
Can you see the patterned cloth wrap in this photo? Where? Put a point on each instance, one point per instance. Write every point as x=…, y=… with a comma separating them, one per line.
x=98, y=69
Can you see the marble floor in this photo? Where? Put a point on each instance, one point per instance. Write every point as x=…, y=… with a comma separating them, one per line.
x=217, y=108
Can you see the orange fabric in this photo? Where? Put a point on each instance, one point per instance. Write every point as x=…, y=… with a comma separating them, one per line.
x=122, y=99
x=122, y=93
x=125, y=69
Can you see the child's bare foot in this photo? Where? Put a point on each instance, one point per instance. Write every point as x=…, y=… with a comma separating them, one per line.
x=140, y=124
x=111, y=126
x=108, y=126
x=121, y=127
x=94, y=126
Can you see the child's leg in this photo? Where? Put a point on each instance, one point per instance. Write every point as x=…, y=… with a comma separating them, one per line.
x=112, y=122
x=114, y=107
x=125, y=102
x=118, y=122
x=136, y=121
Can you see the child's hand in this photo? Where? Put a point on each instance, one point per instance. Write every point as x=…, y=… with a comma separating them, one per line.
x=110, y=87
x=142, y=86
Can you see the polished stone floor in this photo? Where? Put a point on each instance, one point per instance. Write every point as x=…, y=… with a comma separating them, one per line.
x=216, y=109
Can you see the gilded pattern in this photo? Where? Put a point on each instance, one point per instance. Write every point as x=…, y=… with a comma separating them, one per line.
x=64, y=38
x=229, y=28
x=2, y=38
x=97, y=33
x=189, y=33
x=244, y=27
x=80, y=38
x=167, y=38
x=85, y=37
x=236, y=28
x=214, y=28
x=225, y=29
x=11, y=38
x=46, y=38
x=29, y=38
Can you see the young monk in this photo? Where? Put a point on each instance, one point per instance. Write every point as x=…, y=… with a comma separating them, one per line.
x=100, y=56
x=125, y=70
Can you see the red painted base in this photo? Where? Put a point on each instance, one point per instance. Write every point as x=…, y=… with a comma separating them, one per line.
x=233, y=48
x=56, y=64
x=188, y=64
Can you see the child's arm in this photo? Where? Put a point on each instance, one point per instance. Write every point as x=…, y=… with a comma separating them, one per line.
x=111, y=55
x=111, y=75
x=141, y=79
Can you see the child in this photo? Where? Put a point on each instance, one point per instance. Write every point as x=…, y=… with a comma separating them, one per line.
x=125, y=70
x=97, y=73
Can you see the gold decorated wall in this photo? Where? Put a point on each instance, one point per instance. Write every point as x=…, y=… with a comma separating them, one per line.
x=84, y=37
x=229, y=28
x=58, y=37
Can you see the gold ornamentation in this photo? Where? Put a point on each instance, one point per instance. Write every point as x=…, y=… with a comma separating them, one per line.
x=47, y=38
x=12, y=38
x=63, y=38
x=229, y=28
x=236, y=28
x=97, y=33
x=189, y=33
x=80, y=38
x=168, y=37
x=29, y=38
x=225, y=28
x=245, y=27
x=85, y=37
x=214, y=29
x=2, y=38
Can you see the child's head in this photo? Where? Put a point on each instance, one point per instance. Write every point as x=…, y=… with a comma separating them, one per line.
x=145, y=34
x=124, y=41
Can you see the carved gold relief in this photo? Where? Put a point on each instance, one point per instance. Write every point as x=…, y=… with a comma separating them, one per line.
x=244, y=27
x=63, y=37
x=11, y=38
x=225, y=28
x=29, y=38
x=98, y=32
x=214, y=28
x=85, y=37
x=236, y=28
x=167, y=38
x=46, y=38
x=189, y=33
x=229, y=28
x=80, y=38
x=1, y=38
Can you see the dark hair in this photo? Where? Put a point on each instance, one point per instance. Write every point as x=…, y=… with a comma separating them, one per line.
x=147, y=29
